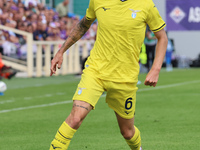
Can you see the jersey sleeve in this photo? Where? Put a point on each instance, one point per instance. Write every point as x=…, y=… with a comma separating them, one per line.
x=90, y=13
x=154, y=19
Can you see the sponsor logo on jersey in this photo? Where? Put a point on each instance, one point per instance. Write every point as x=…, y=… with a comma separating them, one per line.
x=134, y=13
x=123, y=0
x=177, y=14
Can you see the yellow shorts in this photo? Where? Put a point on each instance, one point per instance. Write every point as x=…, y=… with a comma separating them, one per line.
x=121, y=97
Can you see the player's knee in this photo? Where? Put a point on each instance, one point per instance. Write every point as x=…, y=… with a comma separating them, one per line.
x=127, y=134
x=76, y=122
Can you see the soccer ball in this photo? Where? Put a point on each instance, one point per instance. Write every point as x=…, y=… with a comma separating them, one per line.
x=3, y=87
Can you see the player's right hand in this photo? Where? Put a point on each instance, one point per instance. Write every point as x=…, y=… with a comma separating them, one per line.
x=152, y=78
x=56, y=62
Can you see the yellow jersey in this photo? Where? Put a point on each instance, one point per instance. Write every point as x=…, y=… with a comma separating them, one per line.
x=120, y=34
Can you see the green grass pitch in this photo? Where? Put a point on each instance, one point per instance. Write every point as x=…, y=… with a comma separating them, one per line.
x=32, y=110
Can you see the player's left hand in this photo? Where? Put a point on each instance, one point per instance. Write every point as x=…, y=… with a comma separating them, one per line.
x=152, y=78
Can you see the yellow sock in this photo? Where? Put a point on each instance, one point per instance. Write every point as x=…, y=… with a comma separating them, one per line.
x=135, y=142
x=63, y=137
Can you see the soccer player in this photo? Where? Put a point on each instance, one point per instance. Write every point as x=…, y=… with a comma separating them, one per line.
x=113, y=64
x=6, y=72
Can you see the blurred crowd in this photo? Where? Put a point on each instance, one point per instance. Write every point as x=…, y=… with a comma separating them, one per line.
x=32, y=16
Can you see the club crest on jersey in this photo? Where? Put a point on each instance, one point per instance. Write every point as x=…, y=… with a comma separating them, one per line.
x=80, y=90
x=134, y=12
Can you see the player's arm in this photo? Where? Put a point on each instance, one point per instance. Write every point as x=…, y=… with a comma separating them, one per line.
x=77, y=32
x=153, y=75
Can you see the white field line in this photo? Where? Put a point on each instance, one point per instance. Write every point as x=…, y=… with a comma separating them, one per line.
x=70, y=101
x=6, y=101
x=41, y=96
x=36, y=106
x=168, y=86
x=31, y=98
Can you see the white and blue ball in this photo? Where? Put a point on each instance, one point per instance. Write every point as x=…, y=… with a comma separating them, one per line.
x=3, y=87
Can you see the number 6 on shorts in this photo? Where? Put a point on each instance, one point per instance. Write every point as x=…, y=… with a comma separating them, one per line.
x=128, y=103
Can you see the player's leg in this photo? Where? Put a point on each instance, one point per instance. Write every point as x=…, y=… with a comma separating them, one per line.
x=121, y=97
x=79, y=112
x=85, y=98
x=130, y=132
x=70, y=125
